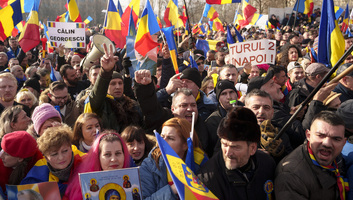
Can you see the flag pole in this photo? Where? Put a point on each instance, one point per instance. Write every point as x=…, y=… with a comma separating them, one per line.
x=296, y=12
x=105, y=19
x=311, y=95
x=187, y=15
x=192, y=126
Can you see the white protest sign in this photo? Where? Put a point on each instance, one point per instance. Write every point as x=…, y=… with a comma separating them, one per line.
x=70, y=34
x=256, y=52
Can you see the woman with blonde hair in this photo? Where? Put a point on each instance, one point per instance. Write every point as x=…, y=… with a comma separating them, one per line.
x=27, y=98
x=155, y=180
x=13, y=119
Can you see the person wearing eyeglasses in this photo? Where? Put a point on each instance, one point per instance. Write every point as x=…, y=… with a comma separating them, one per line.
x=57, y=95
x=200, y=61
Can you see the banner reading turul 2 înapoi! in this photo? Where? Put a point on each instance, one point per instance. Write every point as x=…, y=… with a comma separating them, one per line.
x=70, y=34
x=256, y=52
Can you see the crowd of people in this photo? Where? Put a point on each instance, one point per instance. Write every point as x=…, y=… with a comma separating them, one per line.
x=59, y=117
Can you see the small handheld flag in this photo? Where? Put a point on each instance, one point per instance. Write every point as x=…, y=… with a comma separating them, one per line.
x=186, y=182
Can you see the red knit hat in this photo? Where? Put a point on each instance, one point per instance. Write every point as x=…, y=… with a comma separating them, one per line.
x=19, y=144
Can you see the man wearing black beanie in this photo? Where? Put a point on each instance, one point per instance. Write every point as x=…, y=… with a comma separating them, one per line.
x=189, y=78
x=227, y=97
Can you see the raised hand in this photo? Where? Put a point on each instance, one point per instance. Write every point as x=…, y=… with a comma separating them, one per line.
x=60, y=50
x=108, y=60
x=143, y=76
x=174, y=83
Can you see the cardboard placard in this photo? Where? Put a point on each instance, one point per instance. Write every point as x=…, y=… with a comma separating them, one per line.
x=121, y=182
x=70, y=34
x=256, y=52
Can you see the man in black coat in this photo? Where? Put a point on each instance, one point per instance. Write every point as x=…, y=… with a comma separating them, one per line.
x=239, y=171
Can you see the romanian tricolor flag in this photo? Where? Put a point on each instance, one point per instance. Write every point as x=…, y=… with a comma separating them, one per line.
x=255, y=18
x=187, y=28
x=305, y=7
x=248, y=11
x=51, y=24
x=196, y=29
x=26, y=5
x=10, y=16
x=147, y=27
x=169, y=36
x=241, y=21
x=40, y=171
x=130, y=40
x=80, y=25
x=88, y=20
x=183, y=16
x=222, y=1
x=113, y=26
x=74, y=13
x=230, y=39
x=159, y=22
x=345, y=20
x=63, y=17
x=80, y=44
x=120, y=9
x=30, y=36
x=338, y=12
x=206, y=45
x=133, y=7
x=331, y=39
x=210, y=12
x=240, y=38
x=186, y=182
x=217, y=25
x=171, y=15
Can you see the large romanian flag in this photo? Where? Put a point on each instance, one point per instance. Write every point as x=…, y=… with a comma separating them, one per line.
x=133, y=7
x=305, y=7
x=210, y=12
x=74, y=13
x=10, y=16
x=248, y=11
x=206, y=45
x=186, y=182
x=222, y=1
x=30, y=36
x=113, y=26
x=147, y=27
x=171, y=15
x=331, y=41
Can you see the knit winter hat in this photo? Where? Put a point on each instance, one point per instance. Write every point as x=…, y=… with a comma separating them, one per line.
x=117, y=75
x=193, y=75
x=42, y=113
x=33, y=83
x=19, y=144
x=223, y=85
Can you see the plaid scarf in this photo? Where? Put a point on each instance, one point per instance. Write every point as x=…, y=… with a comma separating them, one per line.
x=342, y=183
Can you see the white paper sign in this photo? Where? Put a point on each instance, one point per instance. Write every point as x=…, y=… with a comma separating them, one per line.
x=70, y=34
x=256, y=52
